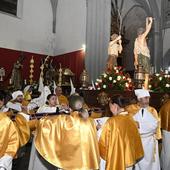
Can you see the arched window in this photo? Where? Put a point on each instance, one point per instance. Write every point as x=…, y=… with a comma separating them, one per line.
x=11, y=7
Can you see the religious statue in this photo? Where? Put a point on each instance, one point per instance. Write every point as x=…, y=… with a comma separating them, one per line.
x=49, y=73
x=16, y=78
x=84, y=79
x=2, y=73
x=141, y=50
x=114, y=49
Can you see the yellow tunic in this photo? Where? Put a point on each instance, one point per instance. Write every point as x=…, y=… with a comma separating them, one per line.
x=63, y=100
x=27, y=96
x=23, y=129
x=165, y=116
x=9, y=139
x=25, y=103
x=120, y=144
x=21, y=124
x=68, y=142
x=134, y=108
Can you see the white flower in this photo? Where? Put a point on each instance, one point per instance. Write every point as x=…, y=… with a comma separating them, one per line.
x=129, y=80
x=167, y=85
x=110, y=78
x=166, y=71
x=104, y=75
x=99, y=80
x=157, y=74
x=98, y=88
x=119, y=78
x=160, y=78
x=127, y=84
x=114, y=81
x=104, y=86
x=124, y=77
x=96, y=84
x=150, y=86
x=117, y=71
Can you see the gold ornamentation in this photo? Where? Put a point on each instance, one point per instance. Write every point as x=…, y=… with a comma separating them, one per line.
x=103, y=98
x=84, y=79
x=31, y=70
x=139, y=77
x=60, y=76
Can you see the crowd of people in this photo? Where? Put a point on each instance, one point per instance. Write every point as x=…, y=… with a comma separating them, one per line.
x=65, y=136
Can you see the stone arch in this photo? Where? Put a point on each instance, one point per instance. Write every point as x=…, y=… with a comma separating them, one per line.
x=133, y=19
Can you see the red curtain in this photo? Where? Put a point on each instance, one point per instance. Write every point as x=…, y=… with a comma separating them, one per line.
x=73, y=61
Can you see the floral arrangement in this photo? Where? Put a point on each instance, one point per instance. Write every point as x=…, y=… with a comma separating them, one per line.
x=160, y=82
x=116, y=79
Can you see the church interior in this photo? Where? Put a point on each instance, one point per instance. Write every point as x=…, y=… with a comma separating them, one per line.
x=85, y=85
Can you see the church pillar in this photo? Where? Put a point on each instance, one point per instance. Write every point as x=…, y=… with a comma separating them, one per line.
x=158, y=42
x=97, y=36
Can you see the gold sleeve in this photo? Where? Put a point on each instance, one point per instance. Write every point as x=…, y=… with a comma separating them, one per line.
x=9, y=139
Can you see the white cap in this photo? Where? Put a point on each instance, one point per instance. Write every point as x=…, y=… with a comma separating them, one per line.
x=140, y=93
x=16, y=94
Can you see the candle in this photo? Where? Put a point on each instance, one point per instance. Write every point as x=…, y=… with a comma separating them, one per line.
x=10, y=81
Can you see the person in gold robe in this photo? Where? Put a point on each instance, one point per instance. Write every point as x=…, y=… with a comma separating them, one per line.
x=120, y=144
x=9, y=139
x=19, y=108
x=68, y=142
x=18, y=103
x=165, y=125
x=61, y=99
x=148, y=123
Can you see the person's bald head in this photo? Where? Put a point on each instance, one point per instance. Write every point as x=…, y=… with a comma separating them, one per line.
x=58, y=91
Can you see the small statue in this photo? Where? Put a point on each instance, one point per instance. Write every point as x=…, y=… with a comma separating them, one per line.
x=16, y=78
x=114, y=49
x=84, y=79
x=2, y=73
x=49, y=74
x=141, y=50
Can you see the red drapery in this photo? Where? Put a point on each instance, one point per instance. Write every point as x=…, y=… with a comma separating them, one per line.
x=73, y=61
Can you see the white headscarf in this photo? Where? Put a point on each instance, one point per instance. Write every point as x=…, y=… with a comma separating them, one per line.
x=140, y=93
x=16, y=94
